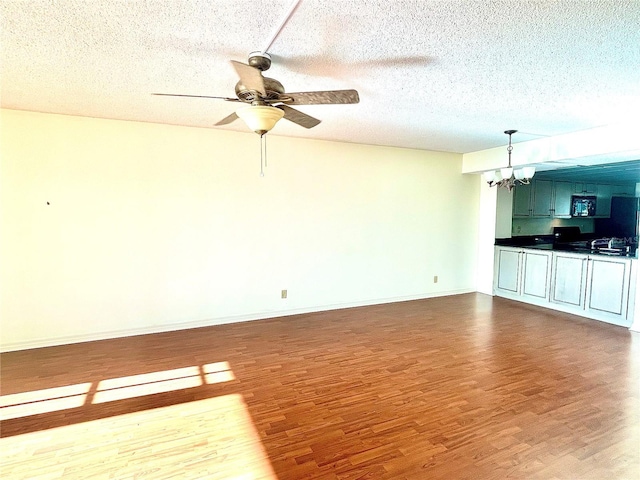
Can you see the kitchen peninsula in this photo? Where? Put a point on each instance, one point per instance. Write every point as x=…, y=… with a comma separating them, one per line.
x=542, y=257
x=592, y=278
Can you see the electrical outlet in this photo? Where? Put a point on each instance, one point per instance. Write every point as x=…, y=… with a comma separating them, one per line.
x=283, y=294
x=435, y=279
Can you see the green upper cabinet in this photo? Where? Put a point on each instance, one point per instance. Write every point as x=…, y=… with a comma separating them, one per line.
x=552, y=198
x=584, y=188
x=624, y=190
x=603, y=200
x=541, y=200
x=522, y=201
x=562, y=192
x=533, y=200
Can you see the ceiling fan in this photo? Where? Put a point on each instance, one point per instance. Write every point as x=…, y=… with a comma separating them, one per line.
x=267, y=99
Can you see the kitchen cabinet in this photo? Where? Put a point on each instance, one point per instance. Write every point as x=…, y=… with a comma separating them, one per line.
x=569, y=279
x=536, y=270
x=623, y=190
x=522, y=273
x=533, y=200
x=508, y=270
x=593, y=286
x=522, y=201
x=585, y=188
x=562, y=192
x=607, y=287
x=547, y=198
x=596, y=283
x=603, y=201
x=541, y=198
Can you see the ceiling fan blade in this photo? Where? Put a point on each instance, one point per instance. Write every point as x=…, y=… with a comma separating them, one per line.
x=319, y=98
x=296, y=116
x=228, y=119
x=250, y=77
x=228, y=99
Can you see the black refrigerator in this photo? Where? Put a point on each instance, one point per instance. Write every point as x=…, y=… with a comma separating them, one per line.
x=623, y=222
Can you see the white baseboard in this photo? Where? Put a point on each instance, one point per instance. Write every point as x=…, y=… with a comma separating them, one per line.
x=65, y=340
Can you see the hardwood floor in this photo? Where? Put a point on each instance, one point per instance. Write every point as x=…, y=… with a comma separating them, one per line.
x=456, y=387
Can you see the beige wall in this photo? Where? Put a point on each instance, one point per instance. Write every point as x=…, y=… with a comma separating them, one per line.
x=154, y=227
x=488, y=209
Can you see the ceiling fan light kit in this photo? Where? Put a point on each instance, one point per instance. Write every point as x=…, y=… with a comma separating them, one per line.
x=507, y=177
x=260, y=118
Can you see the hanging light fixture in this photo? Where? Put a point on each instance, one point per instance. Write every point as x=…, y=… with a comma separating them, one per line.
x=508, y=177
x=260, y=118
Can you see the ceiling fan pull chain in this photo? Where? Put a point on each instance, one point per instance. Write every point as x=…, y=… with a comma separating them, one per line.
x=262, y=154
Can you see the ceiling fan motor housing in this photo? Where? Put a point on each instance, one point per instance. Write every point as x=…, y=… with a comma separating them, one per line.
x=273, y=89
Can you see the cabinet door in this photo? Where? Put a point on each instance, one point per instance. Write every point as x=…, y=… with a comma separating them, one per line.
x=541, y=199
x=603, y=201
x=608, y=286
x=536, y=268
x=522, y=201
x=568, y=279
x=562, y=199
x=508, y=269
x=623, y=190
x=585, y=188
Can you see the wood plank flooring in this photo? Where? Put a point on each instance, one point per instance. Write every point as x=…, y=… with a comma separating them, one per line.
x=460, y=387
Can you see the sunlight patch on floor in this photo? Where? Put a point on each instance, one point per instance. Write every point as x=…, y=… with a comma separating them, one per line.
x=55, y=399
x=143, y=378
x=218, y=372
x=35, y=402
x=213, y=438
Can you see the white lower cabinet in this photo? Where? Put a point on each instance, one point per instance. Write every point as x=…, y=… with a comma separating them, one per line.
x=507, y=270
x=522, y=273
x=594, y=286
x=608, y=287
x=569, y=279
x=536, y=267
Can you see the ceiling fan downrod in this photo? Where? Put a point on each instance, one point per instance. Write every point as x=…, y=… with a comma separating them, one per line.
x=279, y=28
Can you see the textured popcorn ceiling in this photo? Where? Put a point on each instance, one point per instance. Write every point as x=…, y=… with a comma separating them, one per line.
x=437, y=75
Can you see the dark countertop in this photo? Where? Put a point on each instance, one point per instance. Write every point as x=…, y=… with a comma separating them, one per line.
x=545, y=242
x=525, y=241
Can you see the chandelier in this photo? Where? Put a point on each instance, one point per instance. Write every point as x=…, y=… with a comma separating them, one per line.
x=508, y=177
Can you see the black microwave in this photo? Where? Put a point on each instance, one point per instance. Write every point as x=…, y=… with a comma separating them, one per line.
x=583, y=206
